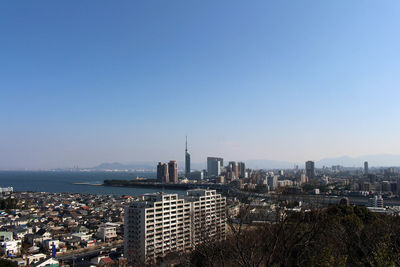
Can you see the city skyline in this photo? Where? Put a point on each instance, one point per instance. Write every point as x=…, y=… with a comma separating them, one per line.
x=374, y=161
x=126, y=82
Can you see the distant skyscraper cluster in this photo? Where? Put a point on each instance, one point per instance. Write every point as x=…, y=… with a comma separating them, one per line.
x=167, y=173
x=235, y=170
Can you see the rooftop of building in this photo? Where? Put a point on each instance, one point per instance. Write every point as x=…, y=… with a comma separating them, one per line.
x=148, y=200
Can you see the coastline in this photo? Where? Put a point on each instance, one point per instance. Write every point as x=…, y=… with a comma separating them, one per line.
x=87, y=183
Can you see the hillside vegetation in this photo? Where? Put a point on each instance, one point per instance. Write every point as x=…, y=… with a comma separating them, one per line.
x=336, y=236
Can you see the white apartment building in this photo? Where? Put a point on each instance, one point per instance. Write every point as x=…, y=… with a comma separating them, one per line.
x=284, y=183
x=208, y=215
x=376, y=202
x=12, y=247
x=162, y=223
x=107, y=231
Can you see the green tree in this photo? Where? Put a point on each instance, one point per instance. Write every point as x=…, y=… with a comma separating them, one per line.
x=7, y=263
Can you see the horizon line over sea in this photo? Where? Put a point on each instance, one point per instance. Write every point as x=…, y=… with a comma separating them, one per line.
x=76, y=182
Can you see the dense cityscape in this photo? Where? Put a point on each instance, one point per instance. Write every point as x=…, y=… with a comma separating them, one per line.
x=70, y=229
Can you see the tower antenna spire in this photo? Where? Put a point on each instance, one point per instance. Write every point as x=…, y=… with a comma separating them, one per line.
x=187, y=160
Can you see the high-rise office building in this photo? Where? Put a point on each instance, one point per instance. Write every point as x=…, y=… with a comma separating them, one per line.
x=164, y=223
x=159, y=172
x=233, y=170
x=366, y=168
x=214, y=166
x=187, y=160
x=272, y=182
x=162, y=173
x=236, y=169
x=310, y=169
x=242, y=169
x=173, y=171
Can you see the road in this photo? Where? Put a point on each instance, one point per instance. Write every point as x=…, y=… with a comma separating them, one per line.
x=89, y=253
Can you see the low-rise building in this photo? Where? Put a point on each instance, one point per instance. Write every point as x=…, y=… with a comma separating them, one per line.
x=376, y=202
x=33, y=259
x=47, y=262
x=107, y=231
x=6, y=236
x=10, y=248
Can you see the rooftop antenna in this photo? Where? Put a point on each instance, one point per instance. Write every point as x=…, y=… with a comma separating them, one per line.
x=186, y=145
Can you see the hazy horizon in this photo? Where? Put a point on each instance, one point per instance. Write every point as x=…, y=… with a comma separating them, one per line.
x=83, y=82
x=375, y=161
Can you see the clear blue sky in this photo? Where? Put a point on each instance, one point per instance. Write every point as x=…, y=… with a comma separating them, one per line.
x=84, y=82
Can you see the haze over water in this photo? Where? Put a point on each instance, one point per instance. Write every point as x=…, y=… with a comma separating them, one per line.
x=59, y=182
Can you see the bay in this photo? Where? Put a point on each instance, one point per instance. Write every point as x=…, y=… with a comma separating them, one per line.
x=63, y=182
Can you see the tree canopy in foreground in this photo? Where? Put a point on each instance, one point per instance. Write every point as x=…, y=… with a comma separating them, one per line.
x=336, y=236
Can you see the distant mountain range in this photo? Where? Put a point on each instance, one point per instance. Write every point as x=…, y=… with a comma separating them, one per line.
x=378, y=160
x=253, y=164
x=269, y=164
x=141, y=166
x=126, y=166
